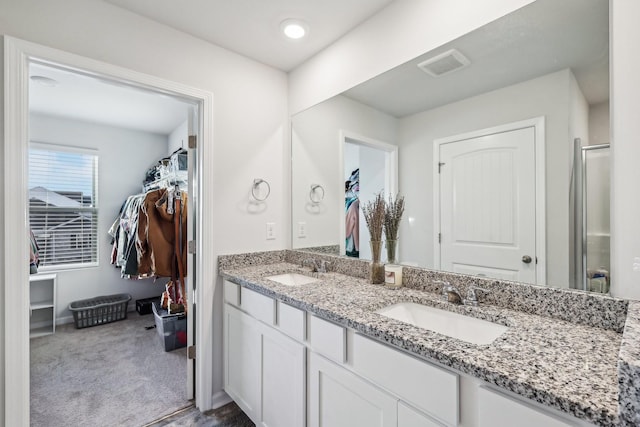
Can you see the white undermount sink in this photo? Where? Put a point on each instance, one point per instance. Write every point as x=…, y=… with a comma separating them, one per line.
x=292, y=279
x=465, y=328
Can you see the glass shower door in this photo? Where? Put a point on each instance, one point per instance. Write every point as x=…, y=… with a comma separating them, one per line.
x=593, y=246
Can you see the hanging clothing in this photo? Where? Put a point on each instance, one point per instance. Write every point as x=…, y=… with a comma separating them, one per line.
x=34, y=253
x=352, y=217
x=352, y=230
x=123, y=232
x=143, y=235
x=156, y=235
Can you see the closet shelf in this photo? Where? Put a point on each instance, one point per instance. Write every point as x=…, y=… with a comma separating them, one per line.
x=41, y=304
x=40, y=332
x=175, y=178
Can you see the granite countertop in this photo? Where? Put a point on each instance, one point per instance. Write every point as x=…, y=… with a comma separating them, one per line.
x=564, y=365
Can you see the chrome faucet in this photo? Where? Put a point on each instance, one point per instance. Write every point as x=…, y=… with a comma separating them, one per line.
x=472, y=295
x=317, y=266
x=322, y=266
x=452, y=295
x=449, y=293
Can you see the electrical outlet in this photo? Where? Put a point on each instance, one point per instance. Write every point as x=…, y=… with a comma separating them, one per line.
x=302, y=230
x=271, y=231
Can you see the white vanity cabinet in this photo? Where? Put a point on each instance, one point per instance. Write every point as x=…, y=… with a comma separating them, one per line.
x=264, y=369
x=289, y=368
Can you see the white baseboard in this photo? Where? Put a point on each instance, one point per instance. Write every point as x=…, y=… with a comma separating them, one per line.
x=64, y=320
x=220, y=399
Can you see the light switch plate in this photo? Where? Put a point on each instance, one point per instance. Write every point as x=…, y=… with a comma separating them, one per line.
x=302, y=229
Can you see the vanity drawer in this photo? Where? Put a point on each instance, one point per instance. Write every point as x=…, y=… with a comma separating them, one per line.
x=232, y=293
x=498, y=410
x=258, y=306
x=427, y=387
x=291, y=321
x=327, y=339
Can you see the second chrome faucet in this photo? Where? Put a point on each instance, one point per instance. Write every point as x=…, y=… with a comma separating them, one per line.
x=452, y=295
x=317, y=266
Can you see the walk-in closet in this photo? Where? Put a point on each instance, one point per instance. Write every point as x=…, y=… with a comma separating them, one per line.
x=110, y=174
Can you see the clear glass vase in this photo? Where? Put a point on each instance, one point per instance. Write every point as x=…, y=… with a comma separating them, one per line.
x=392, y=247
x=376, y=273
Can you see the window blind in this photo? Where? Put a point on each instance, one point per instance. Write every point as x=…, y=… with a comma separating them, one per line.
x=63, y=205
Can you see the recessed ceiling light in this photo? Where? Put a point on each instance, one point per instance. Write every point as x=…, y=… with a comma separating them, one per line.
x=294, y=29
x=45, y=81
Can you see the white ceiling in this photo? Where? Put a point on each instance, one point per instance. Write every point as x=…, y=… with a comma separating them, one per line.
x=87, y=98
x=252, y=27
x=543, y=37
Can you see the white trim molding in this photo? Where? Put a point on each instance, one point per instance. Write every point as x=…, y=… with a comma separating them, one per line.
x=18, y=54
x=538, y=123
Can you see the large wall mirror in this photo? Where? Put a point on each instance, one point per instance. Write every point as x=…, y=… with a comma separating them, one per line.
x=498, y=141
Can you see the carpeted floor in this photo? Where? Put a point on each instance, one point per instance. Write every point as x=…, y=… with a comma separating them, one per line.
x=110, y=375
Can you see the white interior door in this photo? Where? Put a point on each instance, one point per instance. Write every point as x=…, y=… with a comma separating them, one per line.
x=488, y=205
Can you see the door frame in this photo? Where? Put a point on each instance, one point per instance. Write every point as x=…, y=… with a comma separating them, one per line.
x=391, y=164
x=18, y=54
x=538, y=123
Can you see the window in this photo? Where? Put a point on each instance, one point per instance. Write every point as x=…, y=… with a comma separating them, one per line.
x=63, y=205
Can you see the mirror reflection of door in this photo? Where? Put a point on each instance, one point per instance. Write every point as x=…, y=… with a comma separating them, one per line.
x=487, y=205
x=369, y=168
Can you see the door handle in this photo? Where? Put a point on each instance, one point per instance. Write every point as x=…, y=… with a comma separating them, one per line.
x=526, y=259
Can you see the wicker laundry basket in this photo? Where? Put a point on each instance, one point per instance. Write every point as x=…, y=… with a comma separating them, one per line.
x=100, y=310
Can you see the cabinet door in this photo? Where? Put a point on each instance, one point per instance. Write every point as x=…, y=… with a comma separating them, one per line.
x=409, y=417
x=339, y=398
x=497, y=410
x=242, y=356
x=283, y=385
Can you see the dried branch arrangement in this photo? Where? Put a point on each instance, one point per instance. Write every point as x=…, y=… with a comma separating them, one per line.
x=374, y=211
x=393, y=214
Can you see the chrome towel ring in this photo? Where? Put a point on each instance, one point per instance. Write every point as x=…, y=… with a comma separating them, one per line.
x=316, y=194
x=256, y=189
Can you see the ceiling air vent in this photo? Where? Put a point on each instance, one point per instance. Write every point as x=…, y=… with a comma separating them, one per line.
x=444, y=63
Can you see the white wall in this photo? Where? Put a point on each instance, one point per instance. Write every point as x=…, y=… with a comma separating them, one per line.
x=625, y=150
x=402, y=31
x=249, y=117
x=123, y=158
x=179, y=137
x=315, y=150
x=546, y=96
x=599, y=123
